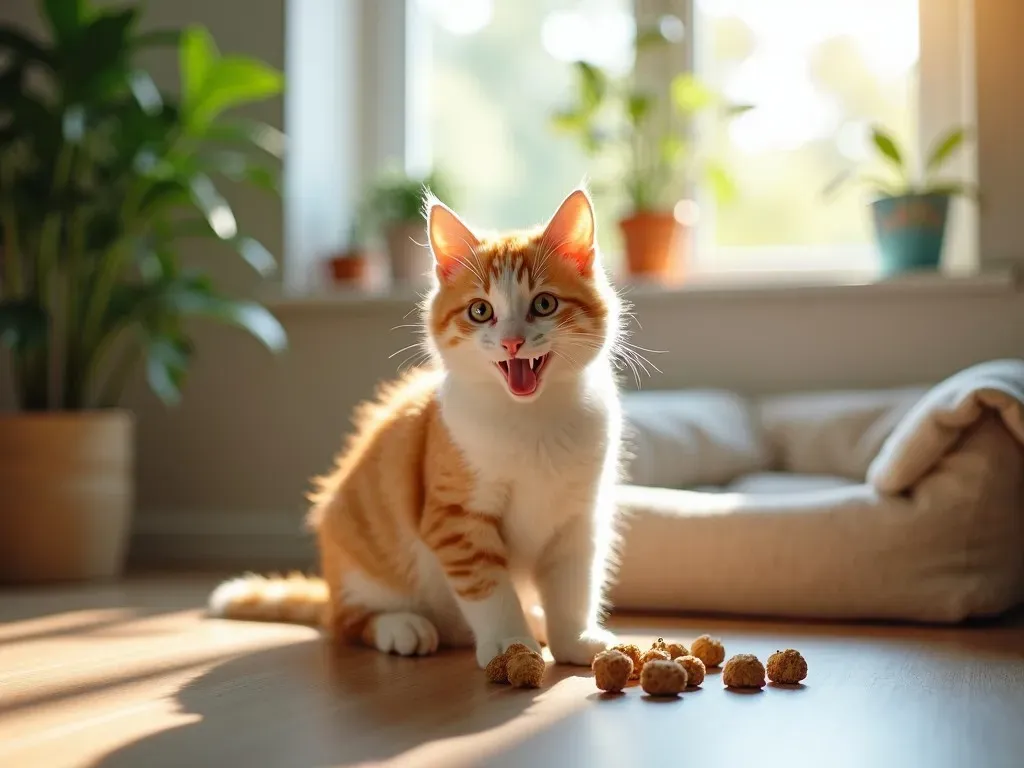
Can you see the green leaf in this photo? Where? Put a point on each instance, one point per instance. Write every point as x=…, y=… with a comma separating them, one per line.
x=13, y=40
x=944, y=148
x=690, y=95
x=593, y=86
x=145, y=92
x=23, y=324
x=214, y=207
x=249, y=133
x=672, y=150
x=247, y=315
x=231, y=82
x=638, y=107
x=66, y=18
x=887, y=146
x=251, y=250
x=735, y=110
x=568, y=121
x=198, y=54
x=722, y=185
x=167, y=361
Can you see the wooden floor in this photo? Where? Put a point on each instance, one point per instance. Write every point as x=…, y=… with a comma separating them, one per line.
x=133, y=675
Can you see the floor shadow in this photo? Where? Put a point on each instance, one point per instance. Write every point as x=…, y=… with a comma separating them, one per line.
x=306, y=705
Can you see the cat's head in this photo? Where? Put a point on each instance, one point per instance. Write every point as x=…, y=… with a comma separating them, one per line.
x=519, y=310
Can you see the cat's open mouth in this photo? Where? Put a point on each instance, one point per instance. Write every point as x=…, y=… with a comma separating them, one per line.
x=522, y=374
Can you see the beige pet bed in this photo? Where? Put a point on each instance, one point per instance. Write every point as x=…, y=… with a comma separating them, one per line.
x=900, y=504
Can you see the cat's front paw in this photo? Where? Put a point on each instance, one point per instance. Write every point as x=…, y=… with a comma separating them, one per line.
x=488, y=648
x=582, y=649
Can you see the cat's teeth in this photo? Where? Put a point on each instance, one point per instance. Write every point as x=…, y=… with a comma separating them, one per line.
x=534, y=363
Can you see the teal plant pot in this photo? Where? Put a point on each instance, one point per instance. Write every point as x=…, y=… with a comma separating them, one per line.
x=910, y=231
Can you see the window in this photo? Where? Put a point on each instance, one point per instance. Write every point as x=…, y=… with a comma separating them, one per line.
x=819, y=73
x=491, y=73
x=467, y=86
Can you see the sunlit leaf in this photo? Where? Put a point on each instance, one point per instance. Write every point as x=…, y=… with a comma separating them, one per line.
x=945, y=147
x=638, y=106
x=723, y=187
x=691, y=95
x=593, y=85
x=231, y=82
x=198, y=54
x=167, y=361
x=887, y=146
x=65, y=17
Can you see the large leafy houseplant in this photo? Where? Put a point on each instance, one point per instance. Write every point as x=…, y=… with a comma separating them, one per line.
x=650, y=142
x=103, y=177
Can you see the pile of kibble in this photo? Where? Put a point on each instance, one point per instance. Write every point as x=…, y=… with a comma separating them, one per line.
x=668, y=669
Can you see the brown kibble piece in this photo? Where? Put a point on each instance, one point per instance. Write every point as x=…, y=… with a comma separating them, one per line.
x=662, y=677
x=634, y=655
x=515, y=648
x=709, y=650
x=659, y=645
x=787, y=667
x=653, y=655
x=675, y=650
x=526, y=670
x=694, y=669
x=497, y=669
x=612, y=670
x=743, y=670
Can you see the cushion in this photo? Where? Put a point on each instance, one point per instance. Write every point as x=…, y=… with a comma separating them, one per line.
x=934, y=533
x=681, y=439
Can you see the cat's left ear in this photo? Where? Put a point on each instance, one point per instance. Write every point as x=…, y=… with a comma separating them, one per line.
x=571, y=231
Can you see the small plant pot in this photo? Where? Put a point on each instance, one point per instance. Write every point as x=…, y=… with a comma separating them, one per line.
x=349, y=268
x=910, y=231
x=66, y=495
x=652, y=242
x=408, y=257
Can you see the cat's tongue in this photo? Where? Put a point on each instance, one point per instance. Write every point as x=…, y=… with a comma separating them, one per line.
x=522, y=379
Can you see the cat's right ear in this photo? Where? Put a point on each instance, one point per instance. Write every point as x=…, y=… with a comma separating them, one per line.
x=451, y=241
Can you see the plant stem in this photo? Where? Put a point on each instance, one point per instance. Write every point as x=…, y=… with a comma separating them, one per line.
x=74, y=371
x=110, y=394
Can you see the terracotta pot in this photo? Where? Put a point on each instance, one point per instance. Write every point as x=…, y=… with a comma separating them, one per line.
x=653, y=242
x=407, y=253
x=348, y=268
x=66, y=495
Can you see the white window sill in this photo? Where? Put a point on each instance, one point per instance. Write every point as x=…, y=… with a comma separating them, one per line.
x=709, y=285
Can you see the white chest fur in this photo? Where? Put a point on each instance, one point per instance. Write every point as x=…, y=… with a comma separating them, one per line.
x=535, y=462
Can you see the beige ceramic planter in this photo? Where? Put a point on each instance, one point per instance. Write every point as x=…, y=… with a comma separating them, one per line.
x=66, y=495
x=410, y=260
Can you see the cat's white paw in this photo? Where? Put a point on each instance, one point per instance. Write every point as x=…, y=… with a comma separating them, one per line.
x=406, y=634
x=488, y=648
x=581, y=649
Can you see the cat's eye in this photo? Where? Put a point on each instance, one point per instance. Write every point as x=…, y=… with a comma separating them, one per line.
x=544, y=304
x=480, y=311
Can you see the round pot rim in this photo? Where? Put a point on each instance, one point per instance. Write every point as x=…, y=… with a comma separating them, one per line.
x=915, y=196
x=84, y=415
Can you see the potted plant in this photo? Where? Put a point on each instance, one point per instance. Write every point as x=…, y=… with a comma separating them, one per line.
x=910, y=216
x=395, y=206
x=349, y=266
x=649, y=140
x=102, y=177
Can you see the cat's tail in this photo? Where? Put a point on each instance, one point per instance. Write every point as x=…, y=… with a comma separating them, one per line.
x=293, y=599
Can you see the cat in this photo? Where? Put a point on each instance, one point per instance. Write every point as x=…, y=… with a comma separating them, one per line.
x=482, y=482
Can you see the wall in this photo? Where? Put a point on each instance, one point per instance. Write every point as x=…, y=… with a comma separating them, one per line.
x=254, y=428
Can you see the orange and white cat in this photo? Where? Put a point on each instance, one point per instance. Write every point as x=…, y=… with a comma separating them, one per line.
x=482, y=483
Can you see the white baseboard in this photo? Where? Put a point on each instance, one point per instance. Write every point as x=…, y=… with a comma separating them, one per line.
x=220, y=538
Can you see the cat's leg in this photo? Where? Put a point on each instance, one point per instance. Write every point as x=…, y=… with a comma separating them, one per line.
x=474, y=559
x=362, y=609
x=571, y=578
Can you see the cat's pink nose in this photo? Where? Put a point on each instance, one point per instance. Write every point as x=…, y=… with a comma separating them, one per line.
x=512, y=345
